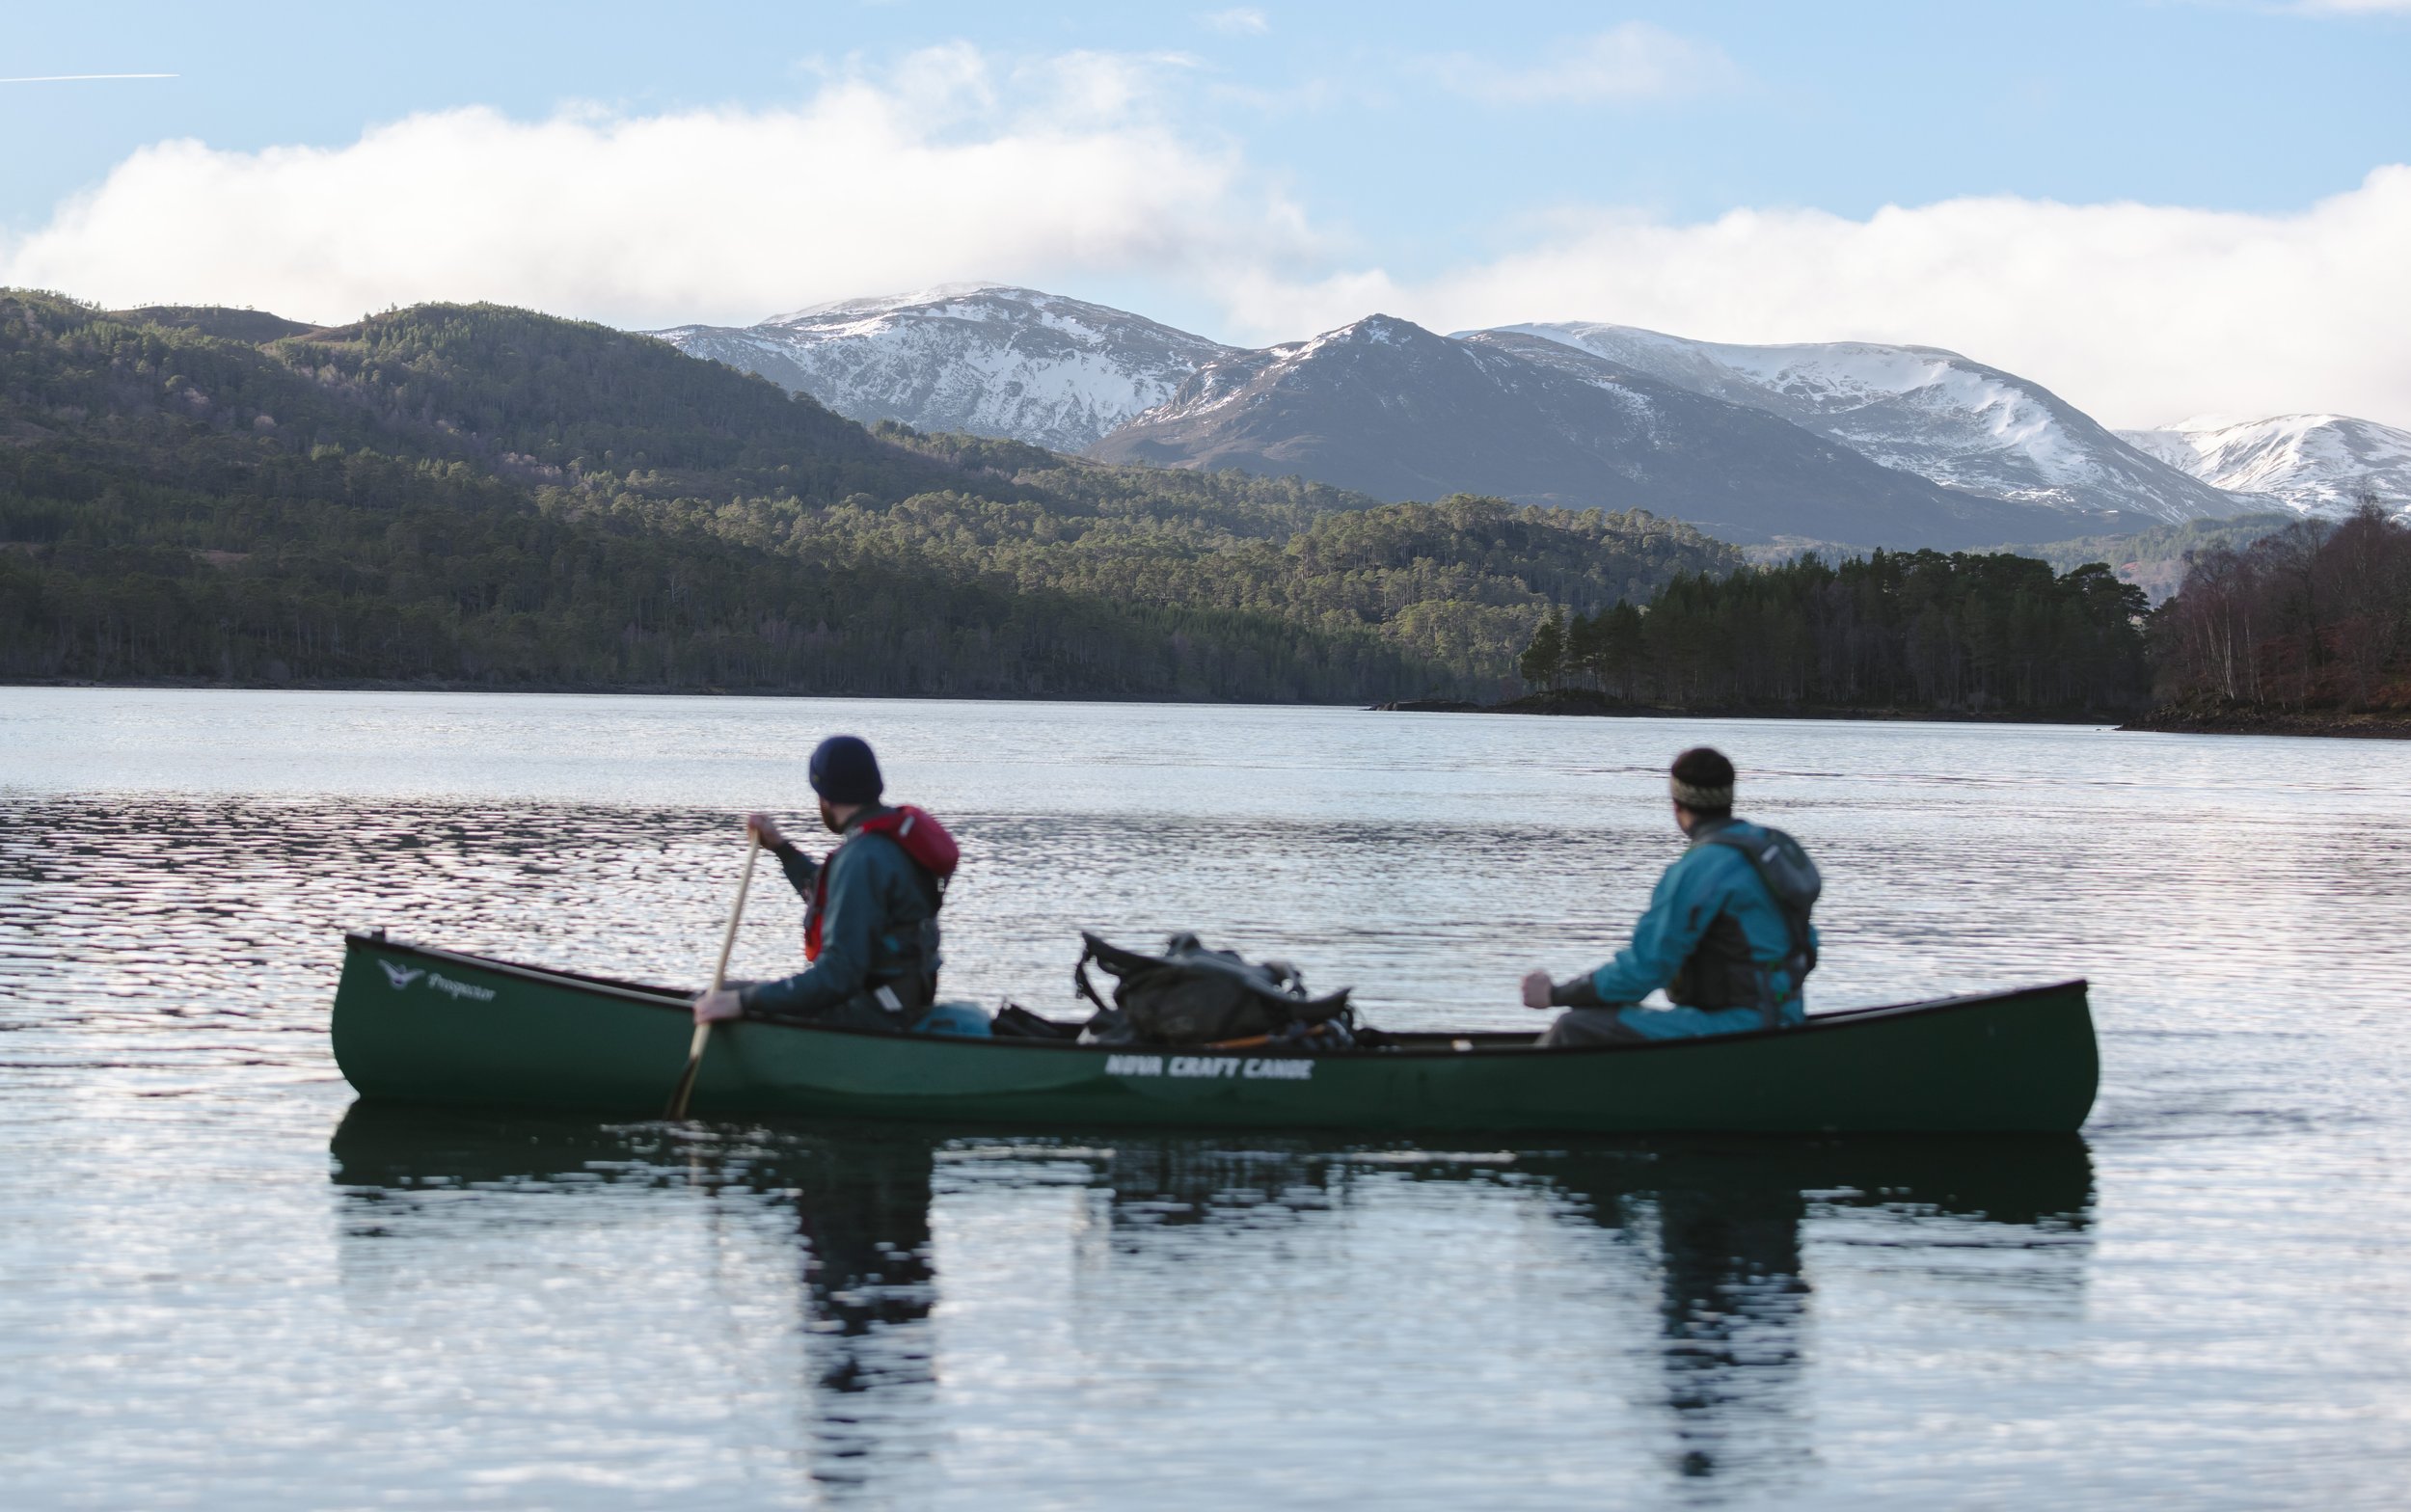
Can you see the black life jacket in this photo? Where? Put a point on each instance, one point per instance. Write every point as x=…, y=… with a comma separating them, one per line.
x=1721, y=972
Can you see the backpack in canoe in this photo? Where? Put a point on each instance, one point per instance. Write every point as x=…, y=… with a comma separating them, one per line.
x=1194, y=995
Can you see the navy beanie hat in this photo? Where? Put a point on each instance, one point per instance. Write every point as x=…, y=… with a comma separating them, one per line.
x=845, y=771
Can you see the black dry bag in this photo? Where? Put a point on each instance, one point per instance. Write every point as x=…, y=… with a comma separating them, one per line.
x=1192, y=995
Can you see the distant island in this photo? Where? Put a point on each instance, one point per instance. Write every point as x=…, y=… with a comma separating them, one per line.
x=2303, y=630
x=1892, y=635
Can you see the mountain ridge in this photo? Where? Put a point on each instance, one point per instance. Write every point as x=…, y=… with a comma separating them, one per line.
x=1008, y=362
x=2319, y=465
x=1387, y=408
x=1919, y=409
x=983, y=359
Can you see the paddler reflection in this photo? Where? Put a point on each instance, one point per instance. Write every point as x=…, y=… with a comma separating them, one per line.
x=1727, y=1249
x=1719, y=1225
x=859, y=1203
x=1727, y=1218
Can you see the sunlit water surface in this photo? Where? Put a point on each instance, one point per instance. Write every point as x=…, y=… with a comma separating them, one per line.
x=222, y=1284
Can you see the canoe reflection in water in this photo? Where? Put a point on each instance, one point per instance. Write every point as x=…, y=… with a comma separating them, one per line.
x=1676, y=1282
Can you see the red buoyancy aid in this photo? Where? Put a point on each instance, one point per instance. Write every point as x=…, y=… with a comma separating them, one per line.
x=922, y=838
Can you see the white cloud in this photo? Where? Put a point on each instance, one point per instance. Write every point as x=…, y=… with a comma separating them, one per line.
x=2353, y=7
x=946, y=167
x=1238, y=22
x=1060, y=173
x=2137, y=314
x=1631, y=62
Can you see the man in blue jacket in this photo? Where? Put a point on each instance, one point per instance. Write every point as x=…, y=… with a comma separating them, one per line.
x=1729, y=953
x=871, y=908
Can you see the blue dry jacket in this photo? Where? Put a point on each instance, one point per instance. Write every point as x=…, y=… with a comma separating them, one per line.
x=878, y=899
x=1703, y=881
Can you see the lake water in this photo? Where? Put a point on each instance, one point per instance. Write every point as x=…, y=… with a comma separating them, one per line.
x=224, y=1286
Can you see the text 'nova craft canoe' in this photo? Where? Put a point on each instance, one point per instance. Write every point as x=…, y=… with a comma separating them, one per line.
x=414, y=1024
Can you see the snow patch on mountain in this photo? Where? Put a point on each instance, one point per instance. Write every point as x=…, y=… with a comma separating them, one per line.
x=985, y=358
x=998, y=359
x=1387, y=408
x=2312, y=464
x=1921, y=410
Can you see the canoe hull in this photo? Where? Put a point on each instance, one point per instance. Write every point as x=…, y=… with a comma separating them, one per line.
x=419, y=1025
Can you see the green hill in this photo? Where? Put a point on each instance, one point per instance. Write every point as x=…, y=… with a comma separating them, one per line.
x=476, y=495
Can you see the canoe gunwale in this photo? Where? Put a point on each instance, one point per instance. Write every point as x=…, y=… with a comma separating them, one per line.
x=676, y=1000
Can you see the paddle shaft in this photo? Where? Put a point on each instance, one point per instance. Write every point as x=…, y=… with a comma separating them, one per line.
x=720, y=974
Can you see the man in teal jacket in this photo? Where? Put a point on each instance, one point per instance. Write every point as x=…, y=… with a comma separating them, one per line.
x=1715, y=936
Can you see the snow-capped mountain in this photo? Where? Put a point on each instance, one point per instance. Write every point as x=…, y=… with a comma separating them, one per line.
x=1922, y=409
x=2314, y=463
x=1995, y=452
x=983, y=358
x=1393, y=409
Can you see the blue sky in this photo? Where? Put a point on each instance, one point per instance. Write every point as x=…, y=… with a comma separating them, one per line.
x=1274, y=166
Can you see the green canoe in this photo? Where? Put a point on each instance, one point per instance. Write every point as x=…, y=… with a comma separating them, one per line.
x=414, y=1024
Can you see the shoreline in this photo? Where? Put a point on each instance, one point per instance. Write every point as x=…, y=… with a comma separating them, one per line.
x=1553, y=707
x=610, y=690
x=2392, y=725
x=2333, y=724
x=1587, y=706
x=1582, y=704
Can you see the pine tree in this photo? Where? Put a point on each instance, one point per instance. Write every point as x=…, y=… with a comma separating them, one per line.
x=1540, y=662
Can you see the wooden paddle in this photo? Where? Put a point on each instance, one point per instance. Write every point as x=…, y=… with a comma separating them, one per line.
x=720, y=974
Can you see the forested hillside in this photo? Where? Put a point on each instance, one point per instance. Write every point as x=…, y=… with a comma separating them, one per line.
x=1897, y=632
x=471, y=495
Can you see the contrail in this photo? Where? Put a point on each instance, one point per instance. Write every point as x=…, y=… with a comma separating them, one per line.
x=74, y=78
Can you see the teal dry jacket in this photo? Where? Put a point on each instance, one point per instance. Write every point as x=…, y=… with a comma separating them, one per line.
x=1704, y=882
x=871, y=922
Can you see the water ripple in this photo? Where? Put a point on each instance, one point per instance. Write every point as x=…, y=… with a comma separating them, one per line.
x=223, y=1284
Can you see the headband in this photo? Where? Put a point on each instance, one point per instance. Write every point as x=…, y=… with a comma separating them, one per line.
x=1706, y=800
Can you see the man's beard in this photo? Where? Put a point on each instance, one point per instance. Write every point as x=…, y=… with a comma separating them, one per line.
x=829, y=819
